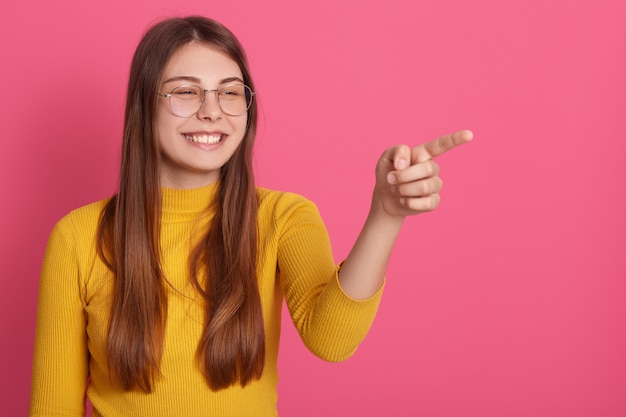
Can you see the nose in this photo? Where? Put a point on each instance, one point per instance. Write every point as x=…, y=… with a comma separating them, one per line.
x=210, y=108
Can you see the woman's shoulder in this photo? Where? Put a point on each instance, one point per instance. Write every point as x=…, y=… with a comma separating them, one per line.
x=282, y=203
x=84, y=219
x=280, y=198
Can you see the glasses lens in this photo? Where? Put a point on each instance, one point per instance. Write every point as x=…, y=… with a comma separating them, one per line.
x=186, y=100
x=235, y=99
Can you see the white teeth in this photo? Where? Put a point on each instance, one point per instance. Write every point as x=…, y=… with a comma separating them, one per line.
x=208, y=139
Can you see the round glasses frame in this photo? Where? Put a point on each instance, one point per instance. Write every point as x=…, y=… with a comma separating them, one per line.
x=220, y=94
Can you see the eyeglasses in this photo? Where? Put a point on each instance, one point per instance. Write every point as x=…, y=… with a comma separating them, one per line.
x=187, y=100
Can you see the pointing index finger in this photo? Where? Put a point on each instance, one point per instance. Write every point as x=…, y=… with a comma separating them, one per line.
x=442, y=144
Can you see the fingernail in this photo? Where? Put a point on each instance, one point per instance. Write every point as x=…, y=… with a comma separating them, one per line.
x=391, y=179
x=401, y=164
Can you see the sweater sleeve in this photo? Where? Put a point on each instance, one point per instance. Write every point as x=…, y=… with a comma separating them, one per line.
x=330, y=323
x=60, y=363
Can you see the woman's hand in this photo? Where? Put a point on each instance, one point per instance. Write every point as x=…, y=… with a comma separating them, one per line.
x=407, y=180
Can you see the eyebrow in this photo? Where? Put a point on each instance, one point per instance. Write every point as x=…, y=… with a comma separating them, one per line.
x=197, y=80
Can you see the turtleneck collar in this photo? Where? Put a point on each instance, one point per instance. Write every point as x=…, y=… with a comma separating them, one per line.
x=187, y=204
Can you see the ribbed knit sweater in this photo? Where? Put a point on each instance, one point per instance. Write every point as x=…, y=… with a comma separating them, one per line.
x=295, y=264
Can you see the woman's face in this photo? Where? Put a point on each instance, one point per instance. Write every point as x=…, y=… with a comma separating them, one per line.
x=194, y=149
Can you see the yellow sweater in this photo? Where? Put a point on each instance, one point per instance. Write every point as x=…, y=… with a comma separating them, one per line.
x=295, y=263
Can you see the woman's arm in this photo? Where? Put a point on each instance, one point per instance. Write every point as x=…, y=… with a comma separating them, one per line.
x=407, y=183
x=60, y=358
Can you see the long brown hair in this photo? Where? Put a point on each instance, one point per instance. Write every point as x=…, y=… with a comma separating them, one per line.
x=232, y=346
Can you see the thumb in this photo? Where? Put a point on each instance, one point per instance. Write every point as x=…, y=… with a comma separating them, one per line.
x=401, y=157
x=395, y=158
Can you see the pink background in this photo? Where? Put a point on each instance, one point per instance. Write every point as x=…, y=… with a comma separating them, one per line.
x=506, y=301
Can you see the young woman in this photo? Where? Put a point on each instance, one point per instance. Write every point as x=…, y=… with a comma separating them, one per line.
x=165, y=299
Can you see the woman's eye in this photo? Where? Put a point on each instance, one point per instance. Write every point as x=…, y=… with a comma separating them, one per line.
x=232, y=91
x=186, y=92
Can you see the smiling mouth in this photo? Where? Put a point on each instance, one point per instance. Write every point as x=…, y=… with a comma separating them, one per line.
x=206, y=139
